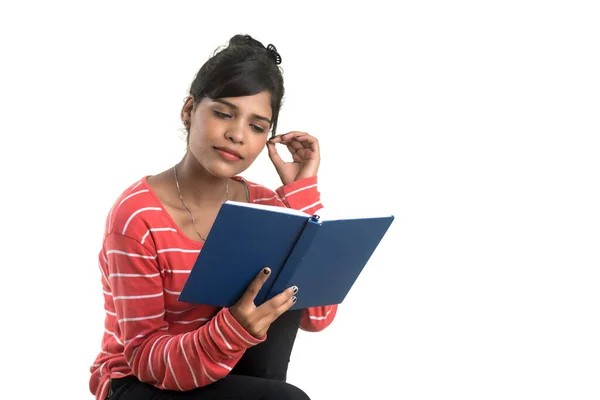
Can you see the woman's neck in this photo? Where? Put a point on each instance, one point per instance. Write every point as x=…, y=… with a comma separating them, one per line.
x=198, y=186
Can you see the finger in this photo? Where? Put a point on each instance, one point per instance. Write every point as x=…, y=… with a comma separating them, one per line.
x=282, y=136
x=308, y=141
x=255, y=286
x=295, y=135
x=286, y=136
x=285, y=306
x=302, y=140
x=272, y=311
x=303, y=154
x=293, y=147
x=274, y=156
x=281, y=299
x=298, y=143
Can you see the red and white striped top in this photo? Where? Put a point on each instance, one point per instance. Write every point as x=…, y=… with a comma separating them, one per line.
x=145, y=260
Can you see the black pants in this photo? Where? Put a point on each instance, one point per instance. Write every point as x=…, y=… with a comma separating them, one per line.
x=259, y=375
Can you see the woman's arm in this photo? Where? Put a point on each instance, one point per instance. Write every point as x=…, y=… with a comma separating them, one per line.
x=136, y=309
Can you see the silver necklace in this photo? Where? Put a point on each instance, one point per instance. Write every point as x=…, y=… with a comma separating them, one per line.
x=188, y=210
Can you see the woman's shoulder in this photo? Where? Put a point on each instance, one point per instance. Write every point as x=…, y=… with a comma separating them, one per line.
x=134, y=210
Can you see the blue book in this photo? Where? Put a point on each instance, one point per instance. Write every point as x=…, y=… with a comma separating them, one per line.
x=322, y=257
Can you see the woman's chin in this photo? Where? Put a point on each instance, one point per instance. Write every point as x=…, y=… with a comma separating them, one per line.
x=224, y=171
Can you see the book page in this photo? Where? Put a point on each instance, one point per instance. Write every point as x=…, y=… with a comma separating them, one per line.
x=332, y=214
x=282, y=210
x=325, y=213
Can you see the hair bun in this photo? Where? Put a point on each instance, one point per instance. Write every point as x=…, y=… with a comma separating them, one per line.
x=249, y=41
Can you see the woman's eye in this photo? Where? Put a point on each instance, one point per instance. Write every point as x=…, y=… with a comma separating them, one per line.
x=257, y=128
x=222, y=115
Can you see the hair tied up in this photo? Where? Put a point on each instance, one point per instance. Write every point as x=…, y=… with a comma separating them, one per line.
x=272, y=50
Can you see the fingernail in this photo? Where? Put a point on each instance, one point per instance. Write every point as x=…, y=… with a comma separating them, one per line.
x=295, y=289
x=294, y=299
x=266, y=271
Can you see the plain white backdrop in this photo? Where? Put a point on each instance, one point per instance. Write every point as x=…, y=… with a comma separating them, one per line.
x=475, y=123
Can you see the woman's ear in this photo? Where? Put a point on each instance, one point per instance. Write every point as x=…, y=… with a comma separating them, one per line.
x=188, y=107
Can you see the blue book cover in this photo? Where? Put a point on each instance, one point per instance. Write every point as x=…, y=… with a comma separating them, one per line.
x=322, y=257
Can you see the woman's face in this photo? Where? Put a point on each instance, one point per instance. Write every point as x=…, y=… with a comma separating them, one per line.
x=226, y=135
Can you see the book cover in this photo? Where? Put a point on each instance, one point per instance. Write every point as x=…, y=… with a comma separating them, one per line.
x=322, y=257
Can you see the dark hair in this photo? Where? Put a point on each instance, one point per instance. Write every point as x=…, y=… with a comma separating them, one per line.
x=243, y=68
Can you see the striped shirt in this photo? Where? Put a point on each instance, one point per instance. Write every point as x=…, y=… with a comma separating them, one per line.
x=144, y=262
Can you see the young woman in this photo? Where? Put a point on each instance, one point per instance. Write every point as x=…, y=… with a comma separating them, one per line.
x=155, y=347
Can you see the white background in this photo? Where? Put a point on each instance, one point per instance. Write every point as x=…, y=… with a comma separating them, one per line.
x=475, y=123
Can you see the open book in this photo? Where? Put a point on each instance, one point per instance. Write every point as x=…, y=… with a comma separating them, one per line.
x=323, y=257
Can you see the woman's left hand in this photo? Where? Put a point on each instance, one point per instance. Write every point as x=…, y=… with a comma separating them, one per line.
x=305, y=154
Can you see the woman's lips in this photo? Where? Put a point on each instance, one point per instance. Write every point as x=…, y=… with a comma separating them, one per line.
x=228, y=154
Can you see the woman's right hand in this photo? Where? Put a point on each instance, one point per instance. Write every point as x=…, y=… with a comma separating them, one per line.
x=257, y=320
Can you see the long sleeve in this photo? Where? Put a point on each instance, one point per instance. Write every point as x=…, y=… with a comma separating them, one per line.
x=134, y=297
x=303, y=195
x=315, y=319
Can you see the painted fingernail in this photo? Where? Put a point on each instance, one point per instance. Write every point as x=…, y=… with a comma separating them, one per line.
x=294, y=299
x=266, y=271
x=295, y=289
